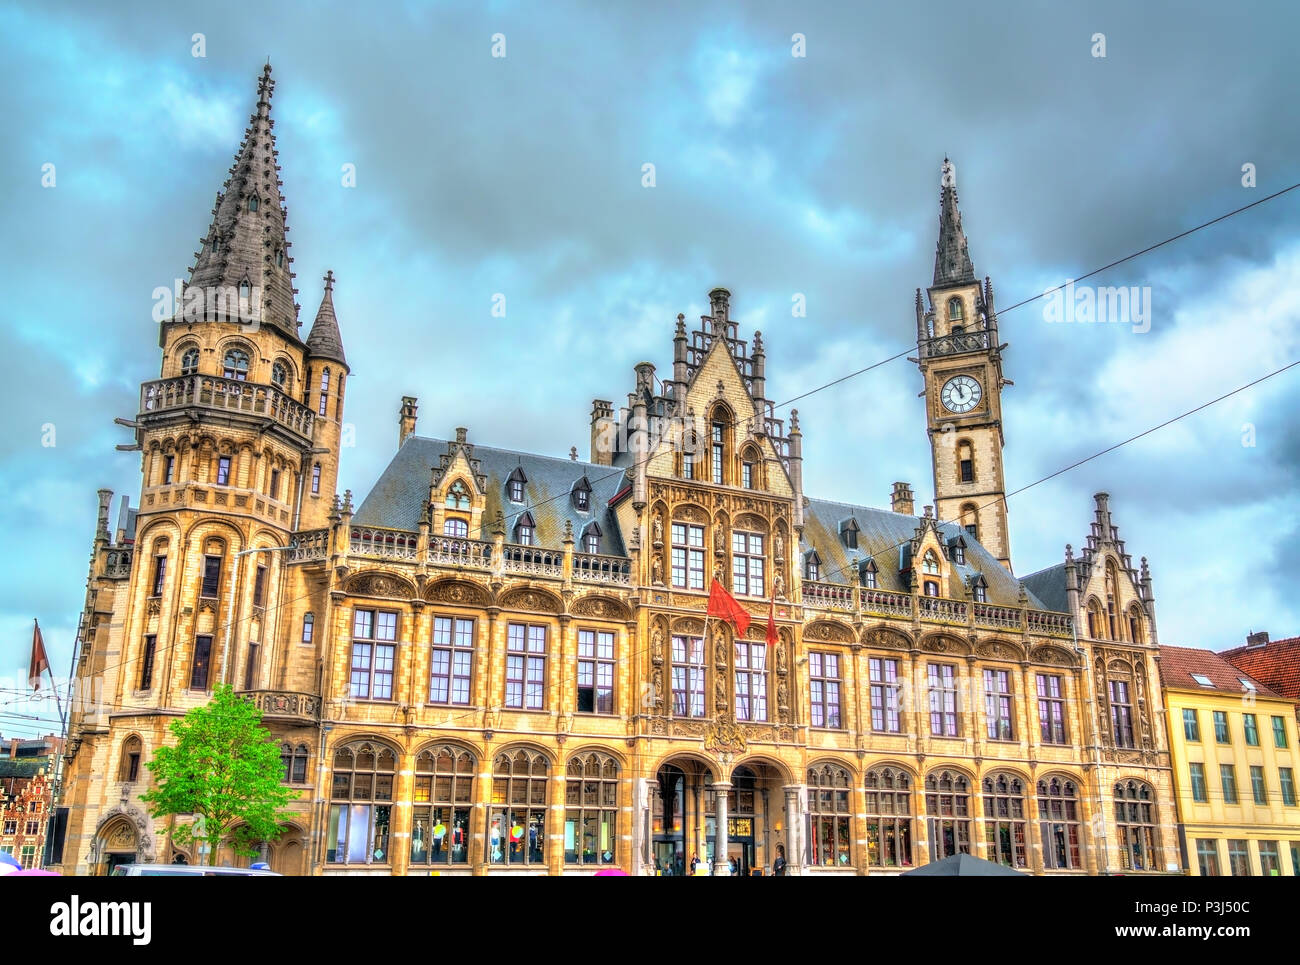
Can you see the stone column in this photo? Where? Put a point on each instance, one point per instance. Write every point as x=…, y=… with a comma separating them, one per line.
x=793, y=829
x=721, y=866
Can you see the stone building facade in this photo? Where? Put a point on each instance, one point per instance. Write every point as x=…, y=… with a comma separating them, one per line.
x=501, y=662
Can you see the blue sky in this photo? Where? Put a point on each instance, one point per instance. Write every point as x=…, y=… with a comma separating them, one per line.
x=775, y=175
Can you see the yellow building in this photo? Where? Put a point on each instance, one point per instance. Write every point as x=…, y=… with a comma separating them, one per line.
x=1233, y=743
x=501, y=662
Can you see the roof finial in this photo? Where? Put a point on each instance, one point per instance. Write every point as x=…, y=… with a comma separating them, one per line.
x=329, y=280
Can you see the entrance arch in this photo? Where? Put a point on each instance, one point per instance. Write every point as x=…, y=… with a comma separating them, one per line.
x=680, y=814
x=117, y=843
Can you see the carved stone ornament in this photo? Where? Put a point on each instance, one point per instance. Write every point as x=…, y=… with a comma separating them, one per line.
x=534, y=600
x=725, y=735
x=658, y=530
x=828, y=631
x=689, y=728
x=719, y=695
x=600, y=607
x=463, y=594
x=379, y=584
x=657, y=647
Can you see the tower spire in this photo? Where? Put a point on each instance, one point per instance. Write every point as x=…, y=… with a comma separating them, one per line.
x=952, y=264
x=324, y=340
x=245, y=244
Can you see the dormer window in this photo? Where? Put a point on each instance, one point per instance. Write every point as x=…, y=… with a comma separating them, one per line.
x=979, y=590
x=235, y=365
x=190, y=361
x=591, y=539
x=849, y=533
x=524, y=530
x=867, y=574
x=515, y=485
x=812, y=567
x=582, y=495
x=458, y=496
x=930, y=564
x=955, y=313
x=957, y=550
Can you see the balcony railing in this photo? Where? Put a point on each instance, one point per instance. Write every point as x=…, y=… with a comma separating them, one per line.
x=953, y=344
x=231, y=395
x=833, y=596
x=453, y=551
x=988, y=615
x=886, y=603
x=532, y=560
x=311, y=545
x=1053, y=624
x=285, y=704
x=388, y=544
x=117, y=565
x=592, y=568
x=936, y=609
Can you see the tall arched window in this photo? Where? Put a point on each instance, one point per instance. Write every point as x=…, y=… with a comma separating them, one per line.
x=315, y=479
x=947, y=802
x=955, y=313
x=750, y=468
x=235, y=365
x=458, y=496
x=829, y=815
x=965, y=462
x=361, y=800
x=129, y=770
x=970, y=520
x=1095, y=626
x=1004, y=819
x=1058, y=814
x=279, y=375
x=253, y=203
x=591, y=810
x=190, y=361
x=516, y=832
x=443, y=798
x=324, y=390
x=308, y=627
x=889, y=818
x=294, y=760
x=930, y=564
x=1135, y=631
x=1112, y=598
x=452, y=526
x=1135, y=820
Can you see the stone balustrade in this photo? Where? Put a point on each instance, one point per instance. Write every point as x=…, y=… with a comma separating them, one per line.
x=231, y=395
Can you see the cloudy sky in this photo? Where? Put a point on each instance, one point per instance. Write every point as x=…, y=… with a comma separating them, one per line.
x=775, y=175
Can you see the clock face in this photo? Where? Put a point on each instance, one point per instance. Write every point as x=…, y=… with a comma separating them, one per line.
x=961, y=394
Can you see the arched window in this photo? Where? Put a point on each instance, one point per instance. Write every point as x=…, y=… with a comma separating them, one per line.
x=591, y=810
x=279, y=375
x=190, y=361
x=965, y=462
x=253, y=203
x=315, y=479
x=1058, y=814
x=1095, y=625
x=947, y=802
x=930, y=563
x=955, y=312
x=525, y=533
x=867, y=574
x=1136, y=819
x=294, y=759
x=443, y=799
x=516, y=832
x=591, y=538
x=1135, y=631
x=235, y=365
x=515, y=485
x=245, y=291
x=458, y=496
x=324, y=390
x=829, y=815
x=889, y=818
x=308, y=627
x=1112, y=598
x=1004, y=819
x=129, y=771
x=750, y=467
x=361, y=800
x=719, y=446
x=969, y=520
x=458, y=528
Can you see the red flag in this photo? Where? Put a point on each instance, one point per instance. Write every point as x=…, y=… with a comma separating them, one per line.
x=771, y=622
x=723, y=604
x=40, y=662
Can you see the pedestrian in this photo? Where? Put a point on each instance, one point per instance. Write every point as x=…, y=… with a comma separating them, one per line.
x=732, y=863
x=778, y=866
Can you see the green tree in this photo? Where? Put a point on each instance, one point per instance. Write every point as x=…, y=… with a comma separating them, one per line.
x=225, y=770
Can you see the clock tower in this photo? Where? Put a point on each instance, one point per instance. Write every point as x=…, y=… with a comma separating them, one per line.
x=961, y=362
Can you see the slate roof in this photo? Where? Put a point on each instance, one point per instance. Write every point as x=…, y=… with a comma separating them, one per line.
x=398, y=499
x=1049, y=586
x=886, y=537
x=324, y=340
x=1177, y=664
x=1276, y=664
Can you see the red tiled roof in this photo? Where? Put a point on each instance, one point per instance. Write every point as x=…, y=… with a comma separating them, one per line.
x=1177, y=664
x=1276, y=664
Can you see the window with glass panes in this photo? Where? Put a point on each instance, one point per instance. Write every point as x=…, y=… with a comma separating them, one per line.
x=361, y=800
x=1059, y=827
x=1200, y=792
x=442, y=800
x=942, y=685
x=889, y=818
x=526, y=666
x=997, y=704
x=747, y=475
x=1051, y=709
x=591, y=810
x=824, y=689
x=201, y=662
x=1207, y=857
x=1279, y=732
x=1121, y=714
x=1239, y=858
x=595, y=672
x=374, y=650
x=747, y=564
x=688, y=677
x=751, y=681
x=1251, y=727
x=716, y=451
x=1228, y=778
x=451, y=660
x=1221, y=727
x=159, y=574
x=146, y=661
x=688, y=556
x=829, y=815
x=885, y=689
x=516, y=826
x=293, y=758
x=1287, y=781
x=1135, y=821
x=1004, y=820
x=211, y=585
x=947, y=806
x=1268, y=861
x=1257, y=786
x=1191, y=725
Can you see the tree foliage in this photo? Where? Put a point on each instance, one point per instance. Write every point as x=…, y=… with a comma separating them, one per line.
x=225, y=770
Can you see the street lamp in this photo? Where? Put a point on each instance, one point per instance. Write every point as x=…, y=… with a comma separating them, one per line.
x=230, y=605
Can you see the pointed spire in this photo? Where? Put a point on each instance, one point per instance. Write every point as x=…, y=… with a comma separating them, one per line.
x=245, y=243
x=324, y=341
x=952, y=265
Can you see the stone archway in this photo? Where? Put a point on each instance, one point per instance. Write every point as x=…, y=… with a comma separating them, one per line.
x=122, y=837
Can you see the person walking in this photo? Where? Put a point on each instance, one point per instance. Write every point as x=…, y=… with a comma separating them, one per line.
x=778, y=866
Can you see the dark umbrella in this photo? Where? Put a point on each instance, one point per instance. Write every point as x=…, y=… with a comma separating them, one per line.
x=964, y=866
